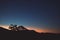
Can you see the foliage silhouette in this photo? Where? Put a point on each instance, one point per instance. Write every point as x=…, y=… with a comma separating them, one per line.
x=26, y=35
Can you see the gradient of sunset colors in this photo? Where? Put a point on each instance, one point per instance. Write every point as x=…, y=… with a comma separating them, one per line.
x=40, y=30
x=38, y=15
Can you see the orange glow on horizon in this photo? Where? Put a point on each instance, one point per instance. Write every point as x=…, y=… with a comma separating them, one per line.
x=41, y=30
x=37, y=29
x=5, y=26
x=32, y=28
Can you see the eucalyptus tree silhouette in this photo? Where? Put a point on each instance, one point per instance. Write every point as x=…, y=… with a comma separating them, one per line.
x=23, y=34
x=13, y=27
x=17, y=28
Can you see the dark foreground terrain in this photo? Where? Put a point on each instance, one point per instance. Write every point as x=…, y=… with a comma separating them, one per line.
x=26, y=35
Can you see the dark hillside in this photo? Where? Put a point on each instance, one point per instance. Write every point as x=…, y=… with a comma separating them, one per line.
x=26, y=35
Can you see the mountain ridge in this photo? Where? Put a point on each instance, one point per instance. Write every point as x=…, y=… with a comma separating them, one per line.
x=27, y=35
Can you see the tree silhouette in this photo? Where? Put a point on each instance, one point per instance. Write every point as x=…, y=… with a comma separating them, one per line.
x=15, y=28
x=11, y=26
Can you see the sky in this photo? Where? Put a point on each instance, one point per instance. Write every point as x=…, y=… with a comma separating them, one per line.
x=36, y=14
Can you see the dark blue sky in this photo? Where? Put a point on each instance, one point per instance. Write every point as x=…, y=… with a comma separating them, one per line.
x=39, y=13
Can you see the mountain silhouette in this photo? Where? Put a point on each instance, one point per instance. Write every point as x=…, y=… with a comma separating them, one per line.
x=26, y=35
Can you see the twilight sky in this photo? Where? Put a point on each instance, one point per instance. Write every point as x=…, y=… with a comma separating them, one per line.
x=43, y=14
